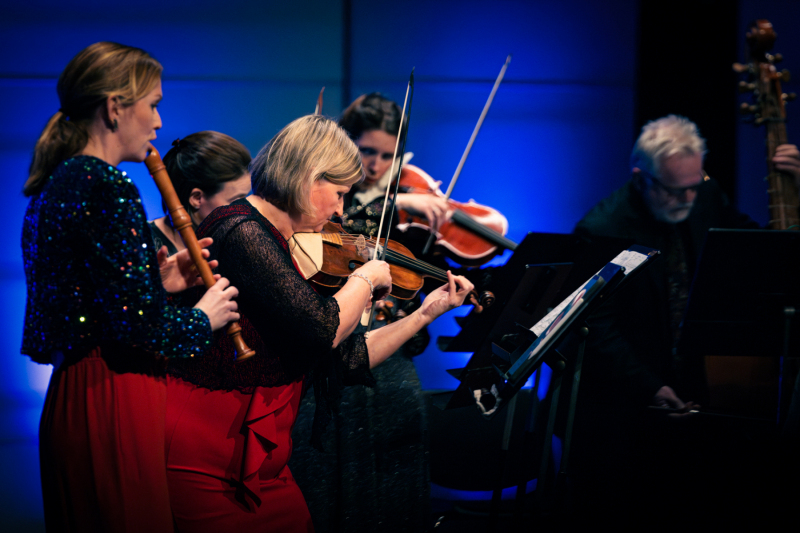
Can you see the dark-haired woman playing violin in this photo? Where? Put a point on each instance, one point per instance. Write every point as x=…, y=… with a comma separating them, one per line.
x=373, y=121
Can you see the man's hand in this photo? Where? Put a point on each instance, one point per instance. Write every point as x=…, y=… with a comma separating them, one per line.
x=787, y=158
x=667, y=399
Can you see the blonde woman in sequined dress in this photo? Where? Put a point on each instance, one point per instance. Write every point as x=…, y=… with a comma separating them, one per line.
x=96, y=301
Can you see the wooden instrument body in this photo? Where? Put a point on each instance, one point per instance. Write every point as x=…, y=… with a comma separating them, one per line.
x=770, y=109
x=344, y=253
x=750, y=386
x=474, y=233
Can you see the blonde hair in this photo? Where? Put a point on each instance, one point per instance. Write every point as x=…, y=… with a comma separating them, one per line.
x=308, y=149
x=665, y=137
x=91, y=77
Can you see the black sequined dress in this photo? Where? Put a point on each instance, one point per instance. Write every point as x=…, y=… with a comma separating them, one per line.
x=97, y=309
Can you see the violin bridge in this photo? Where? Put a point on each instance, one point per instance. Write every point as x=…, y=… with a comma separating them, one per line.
x=361, y=247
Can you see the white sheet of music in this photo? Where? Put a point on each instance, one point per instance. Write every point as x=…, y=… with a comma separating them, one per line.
x=628, y=259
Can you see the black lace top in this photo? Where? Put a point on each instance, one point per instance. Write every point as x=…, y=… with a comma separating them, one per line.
x=284, y=319
x=160, y=239
x=91, y=271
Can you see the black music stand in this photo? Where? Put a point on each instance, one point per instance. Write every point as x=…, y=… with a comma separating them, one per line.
x=495, y=386
x=518, y=300
x=744, y=296
x=744, y=281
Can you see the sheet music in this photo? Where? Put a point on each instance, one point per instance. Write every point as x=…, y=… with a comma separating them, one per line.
x=628, y=259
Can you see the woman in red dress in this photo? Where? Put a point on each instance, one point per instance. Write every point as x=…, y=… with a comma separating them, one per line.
x=96, y=304
x=229, y=424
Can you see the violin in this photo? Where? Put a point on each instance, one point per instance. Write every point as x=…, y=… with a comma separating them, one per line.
x=344, y=253
x=473, y=234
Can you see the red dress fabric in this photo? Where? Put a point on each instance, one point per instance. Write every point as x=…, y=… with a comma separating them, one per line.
x=92, y=280
x=229, y=424
x=226, y=459
x=101, y=449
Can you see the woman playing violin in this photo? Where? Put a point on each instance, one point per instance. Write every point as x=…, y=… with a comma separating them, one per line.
x=373, y=122
x=382, y=441
x=229, y=424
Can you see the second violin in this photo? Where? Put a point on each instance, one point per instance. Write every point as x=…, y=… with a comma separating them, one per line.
x=472, y=235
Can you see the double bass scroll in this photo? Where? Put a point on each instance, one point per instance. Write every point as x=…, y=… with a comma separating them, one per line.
x=769, y=109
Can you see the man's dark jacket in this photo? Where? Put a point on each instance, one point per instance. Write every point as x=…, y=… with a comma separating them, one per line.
x=629, y=353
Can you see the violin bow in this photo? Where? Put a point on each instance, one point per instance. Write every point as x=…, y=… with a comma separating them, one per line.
x=378, y=247
x=318, y=108
x=475, y=131
x=407, y=101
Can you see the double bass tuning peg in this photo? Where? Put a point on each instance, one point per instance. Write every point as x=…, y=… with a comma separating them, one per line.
x=740, y=68
x=788, y=97
x=774, y=58
x=746, y=108
x=784, y=75
x=745, y=87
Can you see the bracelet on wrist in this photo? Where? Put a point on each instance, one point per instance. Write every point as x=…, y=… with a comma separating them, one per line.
x=365, y=278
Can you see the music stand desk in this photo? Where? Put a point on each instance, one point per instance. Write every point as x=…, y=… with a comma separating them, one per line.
x=745, y=284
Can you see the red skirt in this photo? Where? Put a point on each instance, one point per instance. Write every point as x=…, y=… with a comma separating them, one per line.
x=101, y=447
x=226, y=459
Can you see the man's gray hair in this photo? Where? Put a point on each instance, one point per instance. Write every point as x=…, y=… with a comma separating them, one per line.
x=665, y=137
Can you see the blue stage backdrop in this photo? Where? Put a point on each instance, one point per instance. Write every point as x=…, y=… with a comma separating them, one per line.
x=555, y=142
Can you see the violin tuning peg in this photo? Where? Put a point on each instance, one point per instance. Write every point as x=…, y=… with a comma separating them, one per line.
x=740, y=68
x=486, y=299
x=745, y=87
x=785, y=75
x=788, y=97
x=777, y=58
x=746, y=108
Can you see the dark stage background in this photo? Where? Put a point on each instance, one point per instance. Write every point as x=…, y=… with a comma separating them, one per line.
x=584, y=77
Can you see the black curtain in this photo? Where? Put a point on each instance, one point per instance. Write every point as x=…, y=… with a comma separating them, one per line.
x=685, y=53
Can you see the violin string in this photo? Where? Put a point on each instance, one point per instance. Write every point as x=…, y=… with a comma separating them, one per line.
x=400, y=259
